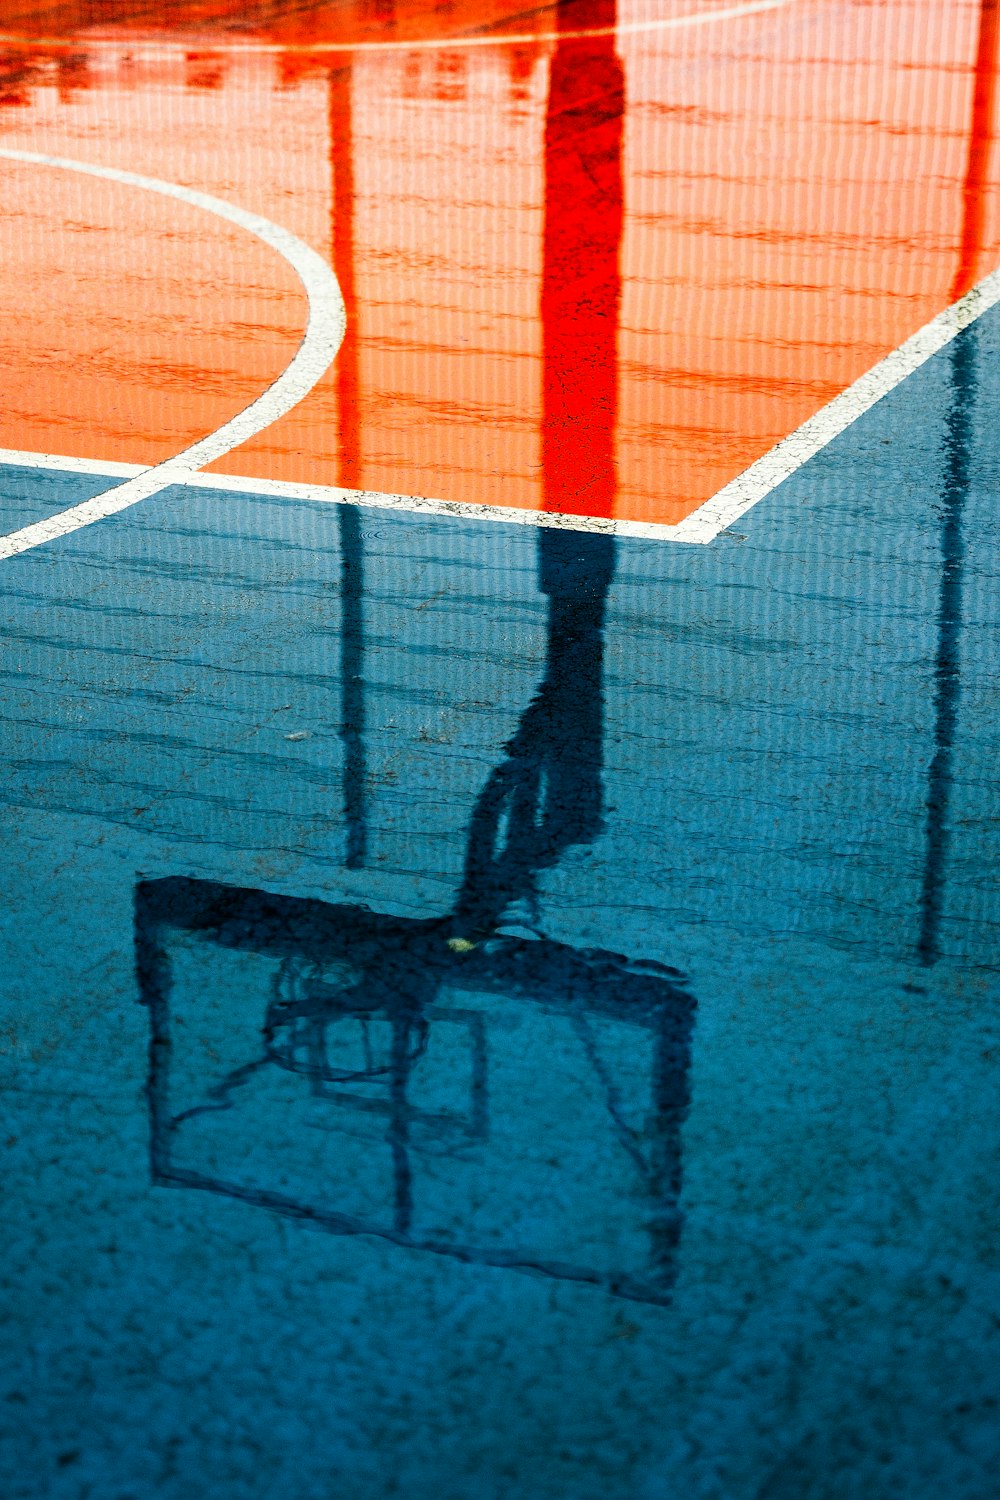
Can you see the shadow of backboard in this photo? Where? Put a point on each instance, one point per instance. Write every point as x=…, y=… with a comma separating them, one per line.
x=512, y=1102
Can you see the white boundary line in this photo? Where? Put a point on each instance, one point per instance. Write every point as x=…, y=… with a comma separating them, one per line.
x=322, y=338
x=699, y=528
x=438, y=44
x=279, y=489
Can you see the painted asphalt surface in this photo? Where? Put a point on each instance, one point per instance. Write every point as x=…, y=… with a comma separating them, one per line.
x=597, y=271
x=739, y=1241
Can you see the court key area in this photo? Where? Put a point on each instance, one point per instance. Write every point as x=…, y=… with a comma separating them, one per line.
x=500, y=963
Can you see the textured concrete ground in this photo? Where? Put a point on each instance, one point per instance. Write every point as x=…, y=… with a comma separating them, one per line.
x=787, y=794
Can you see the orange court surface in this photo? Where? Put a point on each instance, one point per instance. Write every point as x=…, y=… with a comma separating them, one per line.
x=767, y=198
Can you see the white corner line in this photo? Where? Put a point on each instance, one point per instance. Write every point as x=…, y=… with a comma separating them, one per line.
x=418, y=44
x=783, y=460
x=699, y=528
x=321, y=339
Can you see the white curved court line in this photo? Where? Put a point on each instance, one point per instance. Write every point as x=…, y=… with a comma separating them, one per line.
x=498, y=39
x=321, y=339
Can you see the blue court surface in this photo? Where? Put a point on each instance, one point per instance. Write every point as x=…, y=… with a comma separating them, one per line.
x=503, y=1012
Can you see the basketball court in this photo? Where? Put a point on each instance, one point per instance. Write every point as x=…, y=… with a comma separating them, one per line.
x=499, y=556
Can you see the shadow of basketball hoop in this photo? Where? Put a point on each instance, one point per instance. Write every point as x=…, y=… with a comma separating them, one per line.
x=516, y=1104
